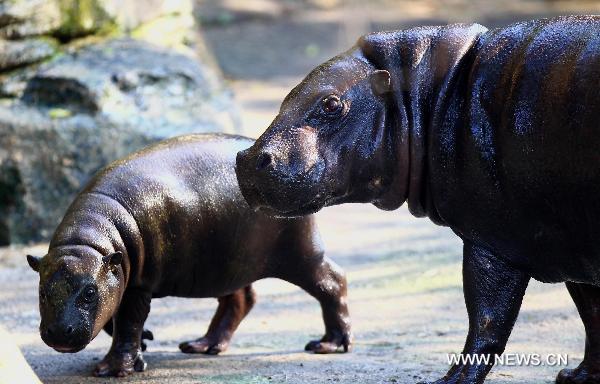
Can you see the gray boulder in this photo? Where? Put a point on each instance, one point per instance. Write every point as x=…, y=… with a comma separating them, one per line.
x=19, y=18
x=15, y=54
x=80, y=111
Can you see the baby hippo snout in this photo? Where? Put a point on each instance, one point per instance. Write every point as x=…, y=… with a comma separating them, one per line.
x=264, y=161
x=65, y=336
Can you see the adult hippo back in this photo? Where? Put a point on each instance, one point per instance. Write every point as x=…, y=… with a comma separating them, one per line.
x=495, y=134
x=170, y=220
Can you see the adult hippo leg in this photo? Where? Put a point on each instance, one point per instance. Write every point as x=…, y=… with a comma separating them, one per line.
x=587, y=300
x=325, y=281
x=125, y=355
x=493, y=294
x=230, y=313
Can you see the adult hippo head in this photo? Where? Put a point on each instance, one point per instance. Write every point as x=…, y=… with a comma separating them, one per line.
x=78, y=294
x=351, y=131
x=330, y=143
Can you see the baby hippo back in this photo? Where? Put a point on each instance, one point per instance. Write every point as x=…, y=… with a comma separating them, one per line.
x=194, y=225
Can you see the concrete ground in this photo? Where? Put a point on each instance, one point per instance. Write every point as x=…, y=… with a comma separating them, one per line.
x=404, y=274
x=405, y=300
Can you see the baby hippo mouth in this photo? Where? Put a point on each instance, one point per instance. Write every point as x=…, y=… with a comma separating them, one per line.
x=65, y=339
x=68, y=349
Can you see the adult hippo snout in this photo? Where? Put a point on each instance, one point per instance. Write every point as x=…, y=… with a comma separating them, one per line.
x=281, y=178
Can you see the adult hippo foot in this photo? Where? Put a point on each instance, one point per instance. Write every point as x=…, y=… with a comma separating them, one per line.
x=205, y=345
x=331, y=344
x=120, y=364
x=444, y=380
x=580, y=375
x=463, y=374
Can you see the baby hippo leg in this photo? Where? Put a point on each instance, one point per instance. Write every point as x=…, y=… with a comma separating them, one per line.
x=326, y=282
x=125, y=355
x=230, y=313
x=146, y=334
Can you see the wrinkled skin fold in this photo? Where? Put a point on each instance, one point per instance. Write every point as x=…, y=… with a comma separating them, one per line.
x=170, y=221
x=493, y=133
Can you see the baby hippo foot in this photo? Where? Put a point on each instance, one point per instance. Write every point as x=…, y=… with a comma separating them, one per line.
x=206, y=345
x=580, y=375
x=331, y=343
x=146, y=335
x=120, y=364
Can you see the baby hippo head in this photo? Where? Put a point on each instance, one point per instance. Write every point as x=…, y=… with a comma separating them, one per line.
x=79, y=292
x=329, y=144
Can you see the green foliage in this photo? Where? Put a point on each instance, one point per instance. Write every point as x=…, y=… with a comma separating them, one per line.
x=83, y=17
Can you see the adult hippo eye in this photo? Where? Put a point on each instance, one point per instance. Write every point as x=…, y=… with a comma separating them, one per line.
x=332, y=104
x=89, y=294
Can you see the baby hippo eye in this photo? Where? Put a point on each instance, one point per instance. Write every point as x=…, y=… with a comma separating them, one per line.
x=89, y=294
x=332, y=104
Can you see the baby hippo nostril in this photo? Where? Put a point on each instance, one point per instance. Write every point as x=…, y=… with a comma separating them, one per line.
x=264, y=161
x=69, y=330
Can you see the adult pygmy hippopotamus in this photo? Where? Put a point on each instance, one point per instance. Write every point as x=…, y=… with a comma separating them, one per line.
x=170, y=221
x=495, y=134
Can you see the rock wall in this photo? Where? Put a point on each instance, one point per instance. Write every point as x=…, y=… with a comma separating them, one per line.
x=83, y=82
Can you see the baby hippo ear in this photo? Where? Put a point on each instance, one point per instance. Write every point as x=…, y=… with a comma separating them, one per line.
x=113, y=258
x=380, y=81
x=34, y=262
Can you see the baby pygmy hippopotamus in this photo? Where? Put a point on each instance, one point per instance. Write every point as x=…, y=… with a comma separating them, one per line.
x=169, y=220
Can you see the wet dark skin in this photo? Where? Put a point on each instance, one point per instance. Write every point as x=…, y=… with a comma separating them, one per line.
x=495, y=134
x=170, y=221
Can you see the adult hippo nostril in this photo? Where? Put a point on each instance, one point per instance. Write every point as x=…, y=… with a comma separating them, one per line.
x=264, y=161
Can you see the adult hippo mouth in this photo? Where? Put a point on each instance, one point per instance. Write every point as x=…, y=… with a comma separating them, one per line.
x=302, y=198
x=319, y=202
x=257, y=200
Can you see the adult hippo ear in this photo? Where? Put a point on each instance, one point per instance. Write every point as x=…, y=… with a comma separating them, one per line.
x=113, y=259
x=424, y=64
x=380, y=82
x=34, y=262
